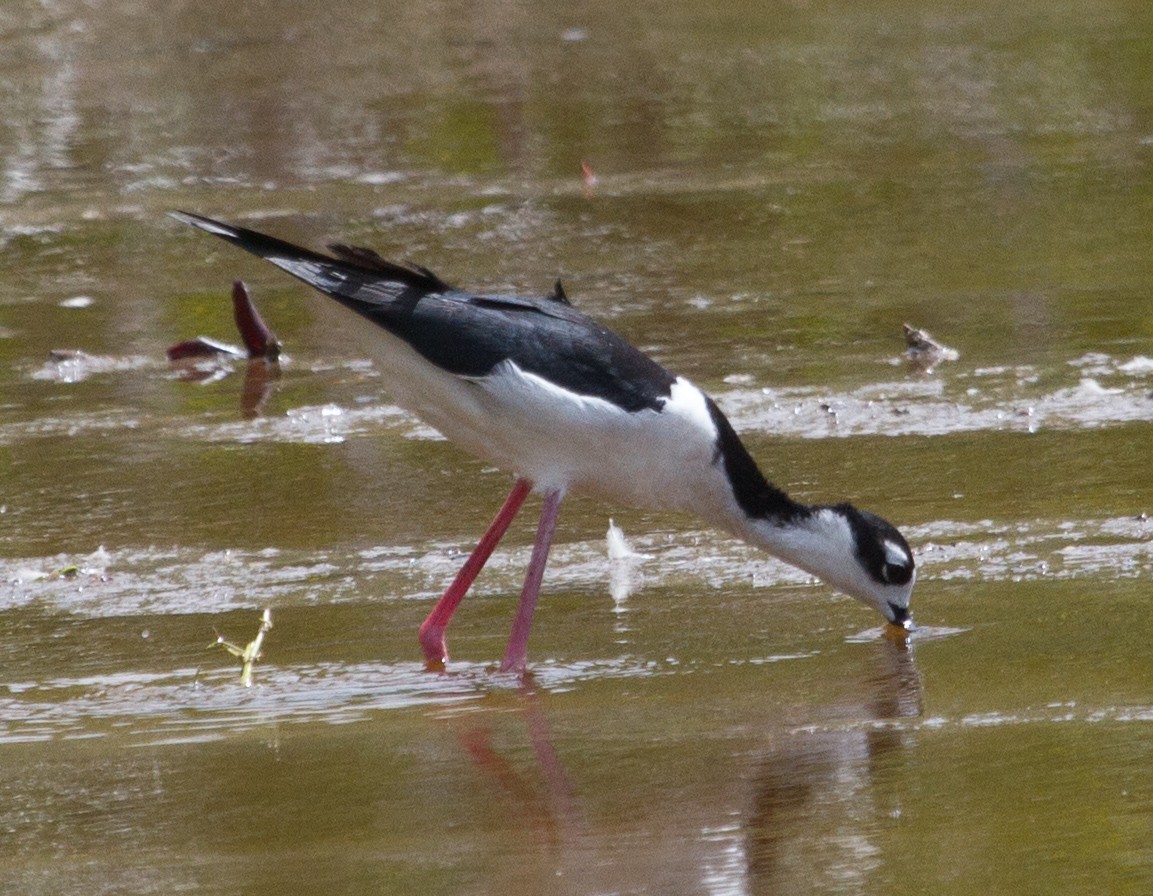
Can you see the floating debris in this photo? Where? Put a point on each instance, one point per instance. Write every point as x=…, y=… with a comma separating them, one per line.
x=94, y=566
x=71, y=365
x=617, y=544
x=624, y=573
x=590, y=179
x=259, y=341
x=202, y=347
x=250, y=653
x=923, y=352
x=206, y=360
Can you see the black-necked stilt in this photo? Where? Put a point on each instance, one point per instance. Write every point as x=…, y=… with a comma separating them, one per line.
x=534, y=386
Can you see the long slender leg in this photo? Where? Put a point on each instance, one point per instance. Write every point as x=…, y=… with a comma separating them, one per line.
x=517, y=651
x=432, y=629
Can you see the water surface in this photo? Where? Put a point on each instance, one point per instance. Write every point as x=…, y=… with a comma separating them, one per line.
x=778, y=189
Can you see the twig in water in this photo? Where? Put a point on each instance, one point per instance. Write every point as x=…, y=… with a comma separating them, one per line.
x=251, y=652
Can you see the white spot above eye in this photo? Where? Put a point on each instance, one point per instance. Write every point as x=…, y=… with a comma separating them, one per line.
x=896, y=554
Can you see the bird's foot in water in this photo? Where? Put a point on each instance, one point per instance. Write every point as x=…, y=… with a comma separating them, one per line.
x=516, y=664
x=433, y=644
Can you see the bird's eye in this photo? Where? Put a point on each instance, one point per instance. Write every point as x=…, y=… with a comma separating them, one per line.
x=896, y=573
x=897, y=565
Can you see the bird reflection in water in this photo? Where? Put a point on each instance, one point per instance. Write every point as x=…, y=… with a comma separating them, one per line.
x=813, y=804
x=541, y=798
x=826, y=790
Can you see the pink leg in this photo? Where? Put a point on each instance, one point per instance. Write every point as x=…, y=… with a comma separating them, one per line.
x=517, y=651
x=432, y=629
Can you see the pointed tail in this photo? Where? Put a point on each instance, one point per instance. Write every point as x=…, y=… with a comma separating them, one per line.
x=358, y=277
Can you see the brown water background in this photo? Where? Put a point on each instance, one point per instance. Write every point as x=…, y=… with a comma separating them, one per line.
x=779, y=187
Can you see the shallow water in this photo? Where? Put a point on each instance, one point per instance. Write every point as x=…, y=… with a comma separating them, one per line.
x=778, y=190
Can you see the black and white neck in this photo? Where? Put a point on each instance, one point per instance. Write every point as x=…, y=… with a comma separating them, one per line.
x=854, y=551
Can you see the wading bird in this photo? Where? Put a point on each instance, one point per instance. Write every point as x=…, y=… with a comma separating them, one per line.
x=533, y=386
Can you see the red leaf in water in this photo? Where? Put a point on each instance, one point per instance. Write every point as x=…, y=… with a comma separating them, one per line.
x=260, y=341
x=201, y=347
x=589, y=177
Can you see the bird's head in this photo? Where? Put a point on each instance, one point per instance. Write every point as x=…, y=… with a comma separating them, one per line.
x=886, y=562
x=854, y=551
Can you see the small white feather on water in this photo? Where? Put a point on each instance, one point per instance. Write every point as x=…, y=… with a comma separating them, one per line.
x=624, y=572
x=618, y=545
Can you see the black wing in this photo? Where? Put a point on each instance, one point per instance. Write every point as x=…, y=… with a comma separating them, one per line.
x=468, y=334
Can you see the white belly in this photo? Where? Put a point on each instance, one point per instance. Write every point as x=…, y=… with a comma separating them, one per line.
x=522, y=423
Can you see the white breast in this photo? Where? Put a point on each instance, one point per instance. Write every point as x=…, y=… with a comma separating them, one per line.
x=522, y=423
x=655, y=459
